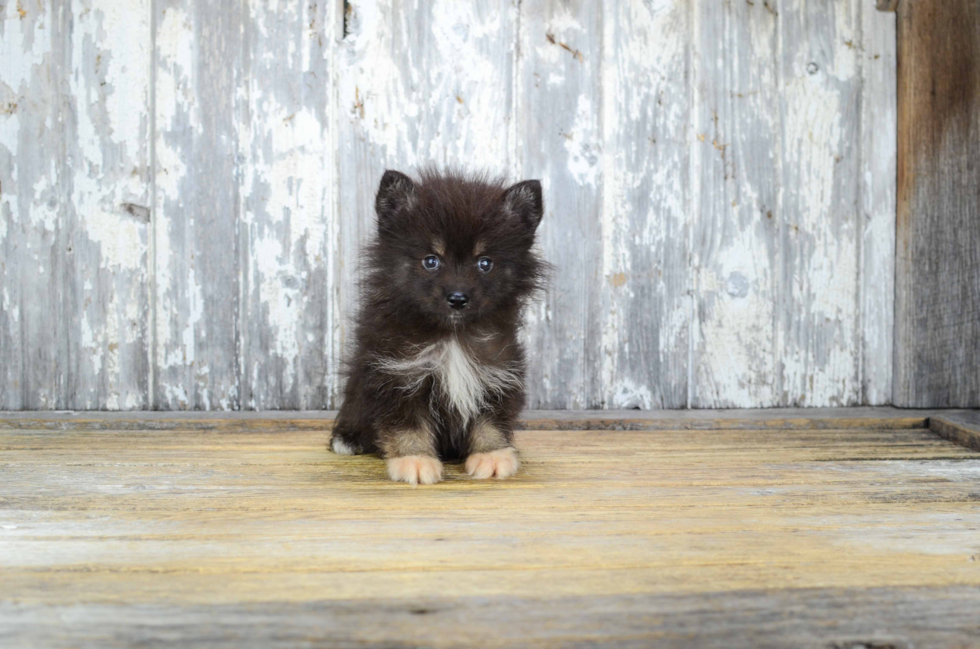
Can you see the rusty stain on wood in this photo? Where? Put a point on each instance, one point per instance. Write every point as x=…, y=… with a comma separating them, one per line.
x=575, y=53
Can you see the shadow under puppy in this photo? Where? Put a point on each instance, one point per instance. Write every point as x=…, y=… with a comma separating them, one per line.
x=437, y=371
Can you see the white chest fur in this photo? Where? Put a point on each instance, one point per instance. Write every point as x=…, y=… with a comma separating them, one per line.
x=463, y=382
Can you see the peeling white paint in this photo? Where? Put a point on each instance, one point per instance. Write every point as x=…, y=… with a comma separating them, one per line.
x=110, y=86
x=581, y=144
x=817, y=351
x=120, y=237
x=627, y=395
x=281, y=301
x=689, y=153
x=645, y=326
x=25, y=45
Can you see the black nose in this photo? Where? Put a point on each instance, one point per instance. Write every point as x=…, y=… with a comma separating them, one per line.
x=457, y=300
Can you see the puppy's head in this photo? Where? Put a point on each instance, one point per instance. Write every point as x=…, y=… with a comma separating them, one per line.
x=455, y=250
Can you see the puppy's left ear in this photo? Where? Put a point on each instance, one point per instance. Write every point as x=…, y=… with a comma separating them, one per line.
x=524, y=200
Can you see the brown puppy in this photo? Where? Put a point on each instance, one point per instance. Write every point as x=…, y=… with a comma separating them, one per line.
x=437, y=370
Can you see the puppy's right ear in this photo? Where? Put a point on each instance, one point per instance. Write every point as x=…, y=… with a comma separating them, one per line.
x=396, y=190
x=524, y=200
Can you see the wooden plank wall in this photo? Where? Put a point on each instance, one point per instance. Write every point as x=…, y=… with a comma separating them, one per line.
x=183, y=191
x=937, y=330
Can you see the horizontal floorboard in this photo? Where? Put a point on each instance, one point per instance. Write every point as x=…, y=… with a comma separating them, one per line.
x=247, y=532
x=899, y=618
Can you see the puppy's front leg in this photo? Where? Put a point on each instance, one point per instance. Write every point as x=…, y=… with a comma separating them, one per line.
x=410, y=454
x=491, y=451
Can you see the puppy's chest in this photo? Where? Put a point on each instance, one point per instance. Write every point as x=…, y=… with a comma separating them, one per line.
x=461, y=380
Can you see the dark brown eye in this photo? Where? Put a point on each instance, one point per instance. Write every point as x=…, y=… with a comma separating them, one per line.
x=430, y=263
x=484, y=264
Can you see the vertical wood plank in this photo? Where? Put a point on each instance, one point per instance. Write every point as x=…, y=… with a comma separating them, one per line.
x=937, y=293
x=818, y=333
x=107, y=210
x=877, y=177
x=196, y=236
x=33, y=184
x=559, y=119
x=646, y=214
x=416, y=85
x=288, y=322
x=735, y=187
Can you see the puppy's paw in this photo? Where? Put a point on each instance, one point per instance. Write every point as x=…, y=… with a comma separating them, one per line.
x=340, y=447
x=502, y=463
x=415, y=469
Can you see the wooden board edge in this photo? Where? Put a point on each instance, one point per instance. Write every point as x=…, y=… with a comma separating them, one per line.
x=722, y=423
x=957, y=430
x=619, y=420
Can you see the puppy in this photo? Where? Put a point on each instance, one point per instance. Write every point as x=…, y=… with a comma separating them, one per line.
x=436, y=372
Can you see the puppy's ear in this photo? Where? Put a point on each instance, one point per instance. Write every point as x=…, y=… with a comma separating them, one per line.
x=524, y=200
x=396, y=190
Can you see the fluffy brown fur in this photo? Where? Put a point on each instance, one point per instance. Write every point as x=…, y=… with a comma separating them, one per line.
x=437, y=370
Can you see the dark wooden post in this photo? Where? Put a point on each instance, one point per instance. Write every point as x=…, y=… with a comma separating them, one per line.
x=937, y=283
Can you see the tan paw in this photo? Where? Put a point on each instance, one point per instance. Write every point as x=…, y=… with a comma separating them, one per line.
x=502, y=463
x=415, y=469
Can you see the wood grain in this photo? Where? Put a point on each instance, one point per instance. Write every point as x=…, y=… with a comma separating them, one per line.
x=937, y=296
x=74, y=205
x=879, y=129
x=33, y=182
x=288, y=348
x=643, y=290
x=559, y=124
x=819, y=237
x=197, y=208
x=900, y=618
x=721, y=537
x=107, y=282
x=961, y=428
x=735, y=185
x=739, y=419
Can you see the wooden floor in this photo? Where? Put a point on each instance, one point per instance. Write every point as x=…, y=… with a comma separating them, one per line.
x=248, y=533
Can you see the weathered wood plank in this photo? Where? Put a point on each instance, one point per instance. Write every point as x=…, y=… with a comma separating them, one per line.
x=34, y=182
x=879, y=115
x=818, y=334
x=643, y=291
x=604, y=537
x=818, y=617
x=962, y=428
x=107, y=213
x=417, y=86
x=289, y=351
x=197, y=237
x=937, y=293
x=754, y=419
x=559, y=122
x=74, y=181
x=736, y=155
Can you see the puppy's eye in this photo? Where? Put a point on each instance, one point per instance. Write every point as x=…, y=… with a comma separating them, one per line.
x=430, y=263
x=484, y=264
